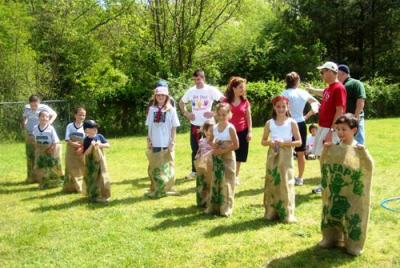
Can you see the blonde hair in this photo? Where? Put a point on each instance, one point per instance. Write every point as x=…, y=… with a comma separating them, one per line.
x=223, y=106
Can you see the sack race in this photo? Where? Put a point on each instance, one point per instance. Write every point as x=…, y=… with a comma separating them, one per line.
x=204, y=173
x=96, y=180
x=222, y=186
x=346, y=185
x=74, y=167
x=279, y=193
x=48, y=171
x=30, y=158
x=161, y=173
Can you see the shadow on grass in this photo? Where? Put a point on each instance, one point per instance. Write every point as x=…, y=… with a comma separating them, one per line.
x=12, y=183
x=312, y=257
x=177, y=212
x=254, y=224
x=134, y=182
x=306, y=198
x=313, y=181
x=184, y=180
x=91, y=205
x=250, y=192
x=48, y=195
x=19, y=190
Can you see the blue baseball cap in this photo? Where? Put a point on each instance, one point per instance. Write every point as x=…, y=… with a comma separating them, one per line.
x=344, y=68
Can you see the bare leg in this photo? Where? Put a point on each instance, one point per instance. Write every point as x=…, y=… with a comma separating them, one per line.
x=301, y=163
x=237, y=169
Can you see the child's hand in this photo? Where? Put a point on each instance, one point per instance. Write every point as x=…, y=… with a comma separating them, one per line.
x=50, y=150
x=171, y=147
x=93, y=142
x=328, y=144
x=79, y=150
x=217, y=151
x=360, y=146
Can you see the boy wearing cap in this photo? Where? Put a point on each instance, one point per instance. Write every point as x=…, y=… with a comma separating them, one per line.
x=355, y=99
x=333, y=105
x=96, y=181
x=201, y=98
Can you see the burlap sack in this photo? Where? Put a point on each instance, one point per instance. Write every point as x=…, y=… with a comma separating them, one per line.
x=47, y=170
x=30, y=158
x=96, y=182
x=161, y=173
x=222, y=186
x=204, y=173
x=279, y=193
x=346, y=181
x=74, y=168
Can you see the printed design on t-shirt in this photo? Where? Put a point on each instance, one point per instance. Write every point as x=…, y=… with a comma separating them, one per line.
x=200, y=102
x=42, y=139
x=162, y=117
x=326, y=96
x=77, y=135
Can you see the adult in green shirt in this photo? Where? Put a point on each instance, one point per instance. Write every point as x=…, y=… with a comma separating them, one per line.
x=355, y=99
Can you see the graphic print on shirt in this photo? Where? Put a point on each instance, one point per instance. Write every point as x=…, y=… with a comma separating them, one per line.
x=200, y=102
x=326, y=96
x=42, y=139
x=162, y=117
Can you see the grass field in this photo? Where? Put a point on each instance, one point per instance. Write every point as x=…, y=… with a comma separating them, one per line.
x=46, y=228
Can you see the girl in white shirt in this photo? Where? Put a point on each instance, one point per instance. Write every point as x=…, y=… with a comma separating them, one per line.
x=279, y=194
x=162, y=121
x=225, y=142
x=74, y=164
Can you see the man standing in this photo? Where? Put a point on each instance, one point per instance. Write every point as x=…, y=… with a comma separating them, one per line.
x=355, y=99
x=201, y=98
x=333, y=105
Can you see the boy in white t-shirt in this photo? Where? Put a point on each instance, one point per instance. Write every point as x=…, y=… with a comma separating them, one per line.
x=201, y=98
x=313, y=128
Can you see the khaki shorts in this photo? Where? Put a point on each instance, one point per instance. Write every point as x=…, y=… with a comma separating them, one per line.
x=320, y=138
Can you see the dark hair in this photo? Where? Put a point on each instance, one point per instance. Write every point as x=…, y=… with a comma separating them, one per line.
x=34, y=98
x=234, y=82
x=348, y=119
x=292, y=79
x=78, y=109
x=207, y=125
x=42, y=112
x=312, y=126
x=198, y=73
x=90, y=124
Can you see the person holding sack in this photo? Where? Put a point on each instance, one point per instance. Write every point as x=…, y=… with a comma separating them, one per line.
x=96, y=182
x=30, y=120
x=346, y=189
x=47, y=168
x=162, y=121
x=74, y=164
x=281, y=134
x=225, y=142
x=203, y=163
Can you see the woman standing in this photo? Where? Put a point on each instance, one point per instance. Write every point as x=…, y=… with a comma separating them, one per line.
x=297, y=101
x=241, y=118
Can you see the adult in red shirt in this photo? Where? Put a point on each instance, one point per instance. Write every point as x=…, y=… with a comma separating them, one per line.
x=241, y=118
x=333, y=105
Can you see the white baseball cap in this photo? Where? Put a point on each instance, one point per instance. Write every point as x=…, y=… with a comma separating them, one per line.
x=161, y=90
x=329, y=65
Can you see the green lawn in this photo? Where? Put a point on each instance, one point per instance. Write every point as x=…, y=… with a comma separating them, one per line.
x=46, y=228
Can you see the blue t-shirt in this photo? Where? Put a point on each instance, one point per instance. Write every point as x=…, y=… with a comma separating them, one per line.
x=87, y=141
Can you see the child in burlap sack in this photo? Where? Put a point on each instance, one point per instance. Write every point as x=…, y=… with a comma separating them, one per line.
x=225, y=142
x=346, y=171
x=281, y=134
x=47, y=168
x=96, y=182
x=204, y=164
x=30, y=120
x=162, y=121
x=74, y=164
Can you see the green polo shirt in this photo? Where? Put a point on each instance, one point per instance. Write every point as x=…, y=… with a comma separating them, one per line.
x=355, y=90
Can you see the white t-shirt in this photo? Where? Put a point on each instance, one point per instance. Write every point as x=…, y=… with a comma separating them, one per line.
x=224, y=135
x=74, y=131
x=160, y=132
x=297, y=101
x=48, y=135
x=201, y=101
x=310, y=143
x=281, y=132
x=33, y=116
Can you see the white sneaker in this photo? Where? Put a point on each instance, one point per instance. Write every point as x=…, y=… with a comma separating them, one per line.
x=237, y=181
x=191, y=176
x=298, y=181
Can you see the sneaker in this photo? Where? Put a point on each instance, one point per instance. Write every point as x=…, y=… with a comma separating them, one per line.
x=317, y=190
x=237, y=181
x=298, y=181
x=191, y=176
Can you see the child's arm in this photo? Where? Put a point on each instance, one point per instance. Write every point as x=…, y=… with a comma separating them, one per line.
x=233, y=146
x=171, y=145
x=249, y=122
x=265, y=138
